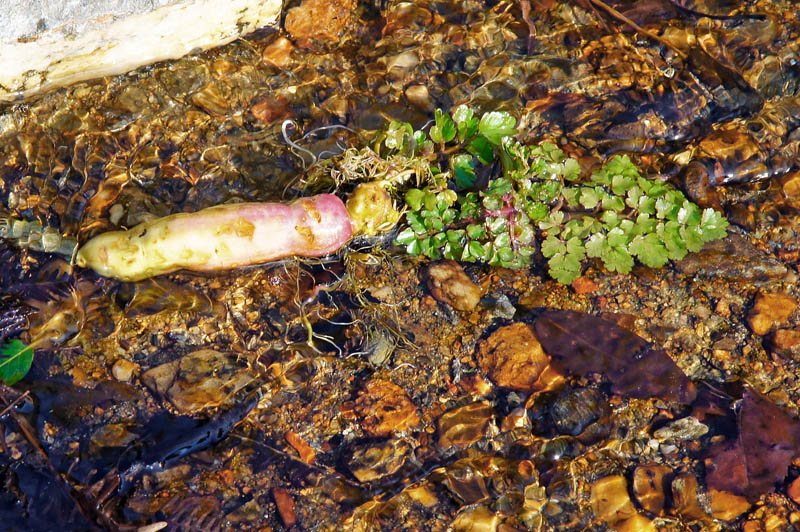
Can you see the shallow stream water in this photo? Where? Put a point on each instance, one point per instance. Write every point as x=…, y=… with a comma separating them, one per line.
x=350, y=393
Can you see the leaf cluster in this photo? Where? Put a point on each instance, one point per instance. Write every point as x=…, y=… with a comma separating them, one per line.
x=492, y=199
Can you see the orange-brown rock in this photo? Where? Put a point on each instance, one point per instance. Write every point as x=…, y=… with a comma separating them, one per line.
x=584, y=285
x=285, y=504
x=464, y=425
x=610, y=500
x=319, y=20
x=306, y=452
x=794, y=490
x=727, y=506
x=790, y=185
x=648, y=486
x=786, y=342
x=449, y=284
x=271, y=109
x=770, y=310
x=684, y=496
x=279, y=52
x=384, y=408
x=637, y=523
x=513, y=358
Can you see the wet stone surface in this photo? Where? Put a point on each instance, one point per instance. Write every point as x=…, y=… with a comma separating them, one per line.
x=393, y=392
x=449, y=284
x=513, y=358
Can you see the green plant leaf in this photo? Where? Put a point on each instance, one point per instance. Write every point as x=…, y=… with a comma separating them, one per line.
x=693, y=238
x=537, y=211
x=398, y=135
x=481, y=148
x=575, y=248
x=714, y=226
x=15, y=361
x=689, y=214
x=502, y=240
x=496, y=125
x=552, y=246
x=669, y=233
x=564, y=267
x=620, y=184
x=476, y=231
x=617, y=238
x=596, y=245
x=463, y=168
x=572, y=169
x=444, y=130
x=406, y=236
x=610, y=219
x=553, y=221
x=476, y=250
x=666, y=210
x=589, y=197
x=414, y=199
x=456, y=236
x=572, y=195
x=617, y=259
x=613, y=203
x=466, y=123
x=649, y=250
x=645, y=224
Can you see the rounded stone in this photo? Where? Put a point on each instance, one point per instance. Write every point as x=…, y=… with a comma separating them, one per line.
x=512, y=357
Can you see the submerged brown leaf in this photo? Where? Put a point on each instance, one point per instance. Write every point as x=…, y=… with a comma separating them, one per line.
x=759, y=458
x=584, y=344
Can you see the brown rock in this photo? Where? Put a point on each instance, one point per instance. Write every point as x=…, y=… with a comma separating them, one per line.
x=770, y=310
x=637, y=523
x=733, y=258
x=423, y=495
x=794, y=490
x=271, y=109
x=790, y=185
x=278, y=53
x=211, y=100
x=285, y=503
x=124, y=369
x=306, y=452
x=610, y=500
x=684, y=496
x=584, y=285
x=464, y=425
x=786, y=342
x=319, y=20
x=201, y=379
x=384, y=408
x=378, y=460
x=648, y=486
x=477, y=519
x=112, y=435
x=449, y=284
x=419, y=97
x=512, y=357
x=727, y=506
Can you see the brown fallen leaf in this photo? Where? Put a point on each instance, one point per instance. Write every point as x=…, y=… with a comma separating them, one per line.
x=759, y=457
x=582, y=344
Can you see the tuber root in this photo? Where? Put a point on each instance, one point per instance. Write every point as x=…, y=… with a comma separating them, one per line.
x=220, y=238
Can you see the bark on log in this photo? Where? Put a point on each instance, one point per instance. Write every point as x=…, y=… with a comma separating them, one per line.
x=113, y=40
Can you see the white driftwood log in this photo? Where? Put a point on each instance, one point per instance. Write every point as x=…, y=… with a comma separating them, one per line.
x=112, y=42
